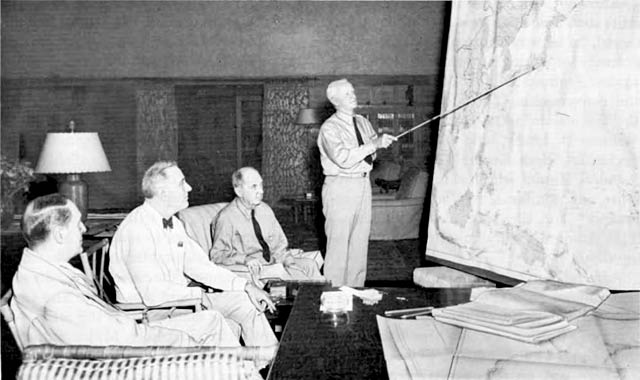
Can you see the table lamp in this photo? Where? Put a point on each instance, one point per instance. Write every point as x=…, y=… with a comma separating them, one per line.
x=308, y=116
x=73, y=153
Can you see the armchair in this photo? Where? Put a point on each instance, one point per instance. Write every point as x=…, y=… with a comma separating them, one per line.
x=199, y=223
x=397, y=216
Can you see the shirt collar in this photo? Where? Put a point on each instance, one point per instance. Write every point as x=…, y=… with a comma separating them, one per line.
x=33, y=260
x=153, y=213
x=246, y=211
x=344, y=117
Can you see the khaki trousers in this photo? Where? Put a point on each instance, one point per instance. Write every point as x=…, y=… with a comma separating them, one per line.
x=346, y=204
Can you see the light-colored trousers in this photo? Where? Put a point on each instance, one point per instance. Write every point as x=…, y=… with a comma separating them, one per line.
x=346, y=204
x=236, y=307
x=207, y=327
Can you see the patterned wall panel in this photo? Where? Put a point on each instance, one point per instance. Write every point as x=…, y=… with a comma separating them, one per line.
x=156, y=126
x=284, y=164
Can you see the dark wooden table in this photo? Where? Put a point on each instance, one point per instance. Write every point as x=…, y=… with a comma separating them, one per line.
x=312, y=348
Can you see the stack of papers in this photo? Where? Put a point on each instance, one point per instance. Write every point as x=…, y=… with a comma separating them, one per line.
x=531, y=312
x=605, y=345
x=368, y=296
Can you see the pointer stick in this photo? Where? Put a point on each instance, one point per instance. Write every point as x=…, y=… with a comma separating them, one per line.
x=465, y=104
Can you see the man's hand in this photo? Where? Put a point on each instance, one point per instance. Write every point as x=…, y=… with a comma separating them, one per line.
x=288, y=261
x=254, y=266
x=384, y=141
x=259, y=298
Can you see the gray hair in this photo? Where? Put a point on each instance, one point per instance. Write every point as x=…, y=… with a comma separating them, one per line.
x=153, y=176
x=333, y=87
x=42, y=214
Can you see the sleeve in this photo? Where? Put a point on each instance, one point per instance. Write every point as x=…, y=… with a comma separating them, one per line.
x=145, y=269
x=279, y=243
x=198, y=267
x=337, y=151
x=222, y=250
x=83, y=322
x=371, y=134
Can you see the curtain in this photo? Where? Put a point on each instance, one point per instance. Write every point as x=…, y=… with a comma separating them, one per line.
x=285, y=169
x=156, y=126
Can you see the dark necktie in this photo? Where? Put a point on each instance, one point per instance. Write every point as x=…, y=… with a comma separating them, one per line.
x=266, y=253
x=368, y=159
x=167, y=223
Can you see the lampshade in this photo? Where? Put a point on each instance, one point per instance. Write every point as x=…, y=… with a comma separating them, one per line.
x=308, y=116
x=72, y=152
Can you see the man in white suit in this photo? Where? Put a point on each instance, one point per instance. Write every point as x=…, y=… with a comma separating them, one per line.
x=153, y=260
x=56, y=303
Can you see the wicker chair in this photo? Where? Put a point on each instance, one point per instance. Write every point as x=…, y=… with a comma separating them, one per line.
x=156, y=362
x=7, y=314
x=94, y=264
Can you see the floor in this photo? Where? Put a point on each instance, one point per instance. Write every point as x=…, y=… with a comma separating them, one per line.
x=390, y=263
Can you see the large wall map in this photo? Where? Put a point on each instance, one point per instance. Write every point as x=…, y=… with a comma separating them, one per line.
x=541, y=179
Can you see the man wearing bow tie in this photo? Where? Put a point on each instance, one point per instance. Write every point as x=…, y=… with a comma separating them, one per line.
x=152, y=259
x=55, y=303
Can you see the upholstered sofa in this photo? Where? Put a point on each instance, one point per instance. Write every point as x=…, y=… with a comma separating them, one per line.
x=397, y=215
x=197, y=222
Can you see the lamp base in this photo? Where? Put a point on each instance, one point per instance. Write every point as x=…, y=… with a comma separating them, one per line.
x=76, y=190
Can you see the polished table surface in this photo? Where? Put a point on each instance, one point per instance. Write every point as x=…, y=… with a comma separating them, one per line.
x=311, y=347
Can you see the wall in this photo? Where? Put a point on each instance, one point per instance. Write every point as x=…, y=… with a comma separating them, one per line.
x=133, y=45
x=155, y=39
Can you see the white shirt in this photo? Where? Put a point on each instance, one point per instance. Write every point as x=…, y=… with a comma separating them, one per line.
x=340, y=153
x=149, y=263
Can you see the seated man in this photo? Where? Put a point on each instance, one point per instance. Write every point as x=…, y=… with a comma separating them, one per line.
x=151, y=257
x=55, y=303
x=247, y=232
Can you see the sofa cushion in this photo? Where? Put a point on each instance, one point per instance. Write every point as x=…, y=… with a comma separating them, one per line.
x=386, y=170
x=413, y=184
x=197, y=222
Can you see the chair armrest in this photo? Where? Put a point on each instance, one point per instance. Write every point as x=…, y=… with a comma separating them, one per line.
x=49, y=351
x=155, y=362
x=129, y=306
x=177, y=303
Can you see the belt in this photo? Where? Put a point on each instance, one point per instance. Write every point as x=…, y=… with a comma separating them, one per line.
x=353, y=175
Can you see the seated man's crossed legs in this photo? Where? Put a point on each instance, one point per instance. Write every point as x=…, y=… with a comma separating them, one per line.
x=208, y=327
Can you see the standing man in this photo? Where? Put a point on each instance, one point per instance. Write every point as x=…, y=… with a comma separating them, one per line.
x=55, y=303
x=347, y=144
x=152, y=256
x=246, y=233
